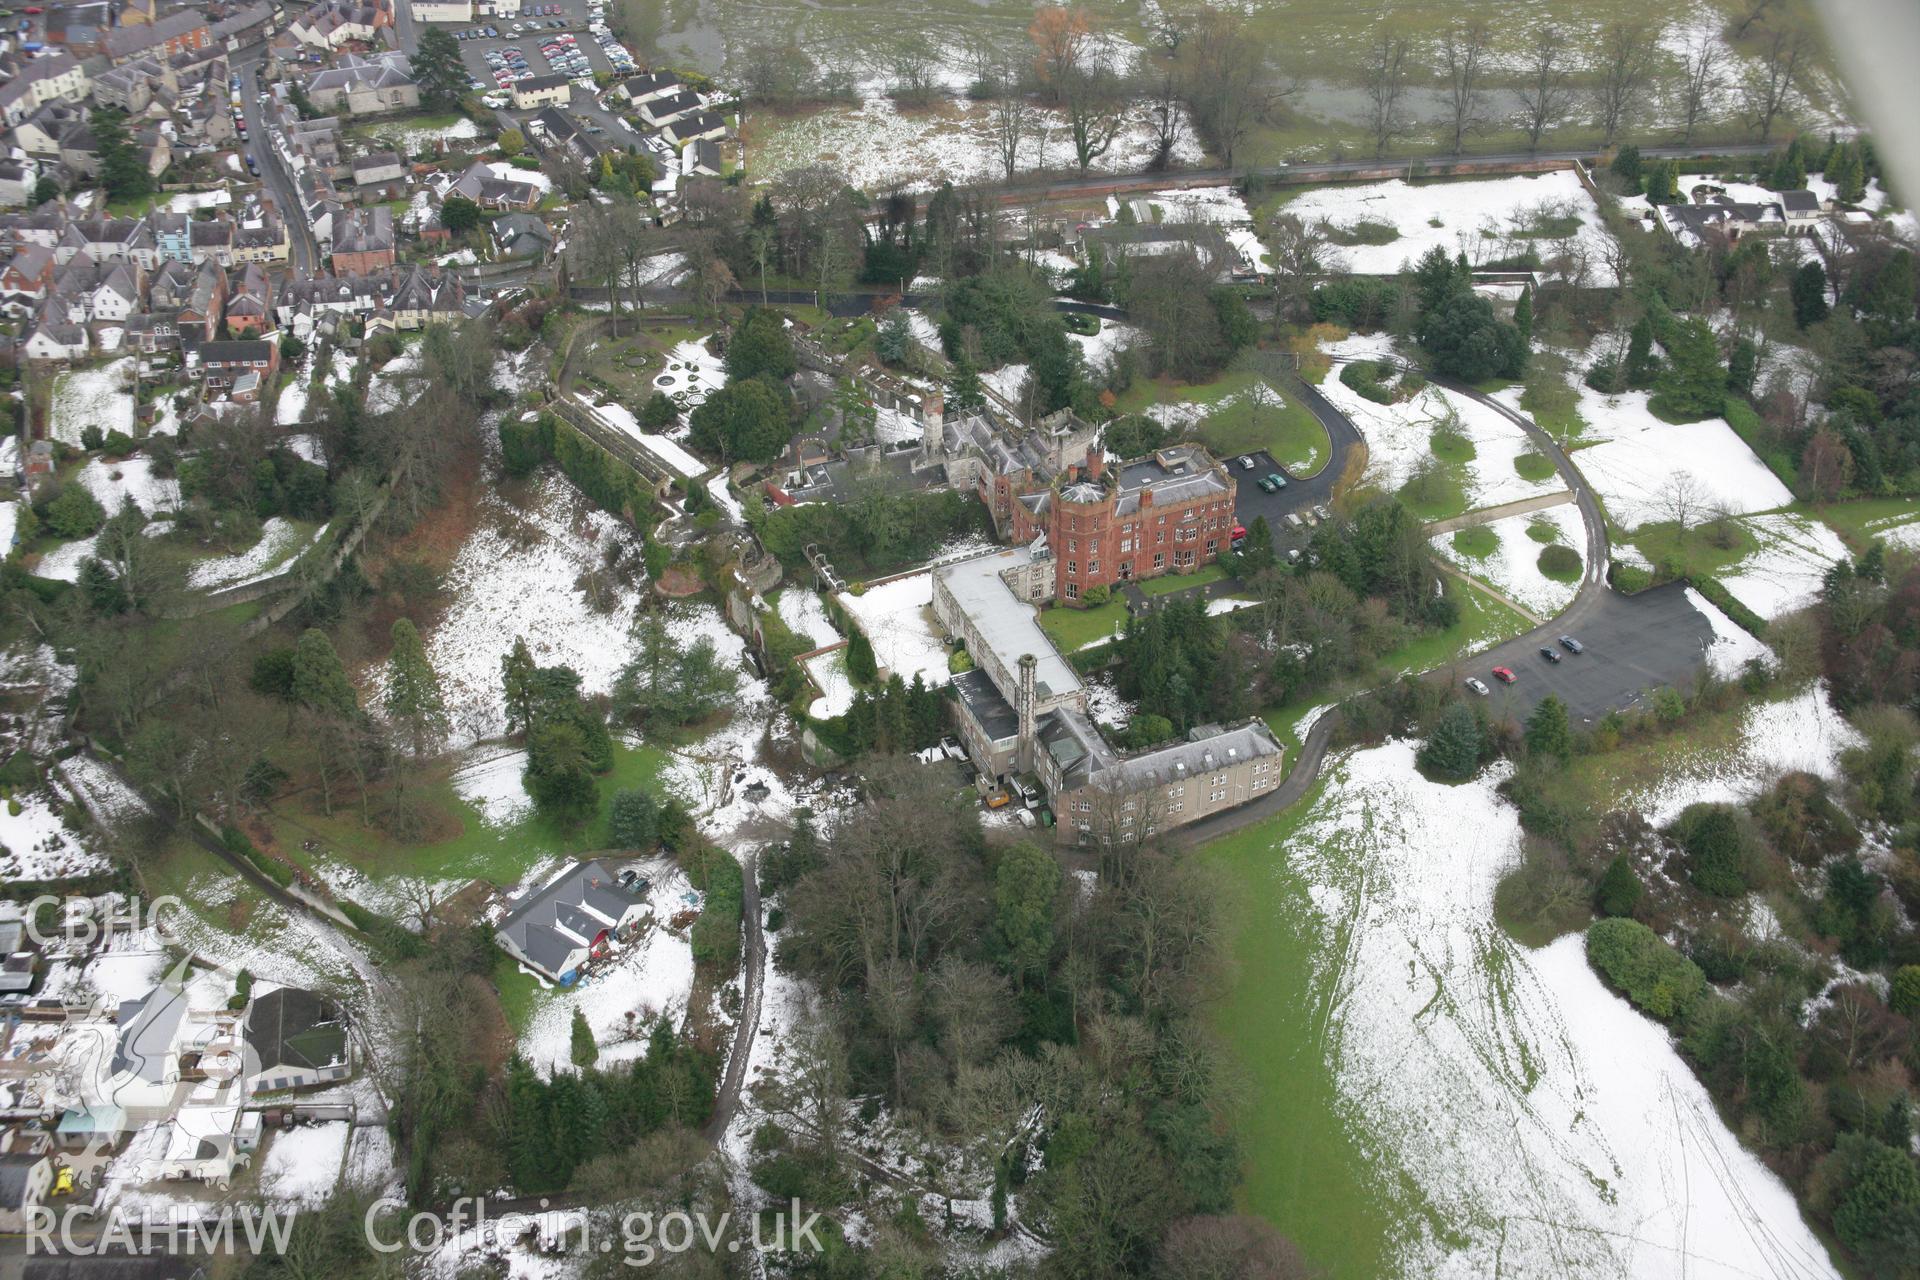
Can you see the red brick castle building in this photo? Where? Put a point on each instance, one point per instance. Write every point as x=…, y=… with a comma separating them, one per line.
x=1168, y=513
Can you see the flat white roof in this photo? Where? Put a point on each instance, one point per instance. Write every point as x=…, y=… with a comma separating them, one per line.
x=1009, y=627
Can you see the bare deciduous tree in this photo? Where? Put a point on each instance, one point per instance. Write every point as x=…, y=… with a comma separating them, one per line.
x=1385, y=80
x=1010, y=115
x=1682, y=500
x=1167, y=121
x=915, y=68
x=1095, y=101
x=1622, y=64
x=1772, y=76
x=1545, y=93
x=1699, y=85
x=1464, y=47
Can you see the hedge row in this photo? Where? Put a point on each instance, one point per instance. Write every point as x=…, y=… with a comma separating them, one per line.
x=716, y=934
x=1713, y=589
x=1363, y=376
x=1635, y=961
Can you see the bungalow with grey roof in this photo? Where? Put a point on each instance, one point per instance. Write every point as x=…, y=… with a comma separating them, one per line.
x=558, y=927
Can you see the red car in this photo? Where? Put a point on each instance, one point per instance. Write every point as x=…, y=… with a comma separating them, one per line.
x=1504, y=675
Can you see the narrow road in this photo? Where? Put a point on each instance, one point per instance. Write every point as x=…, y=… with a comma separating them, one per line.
x=1487, y=515
x=303, y=251
x=753, y=966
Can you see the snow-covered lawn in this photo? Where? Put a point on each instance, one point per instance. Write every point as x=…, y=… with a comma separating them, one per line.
x=280, y=540
x=515, y=576
x=621, y=419
x=692, y=373
x=829, y=673
x=303, y=1165
x=1785, y=573
x=98, y=397
x=35, y=844
x=897, y=618
x=115, y=482
x=413, y=138
x=879, y=148
x=805, y=614
x=396, y=383
x=1641, y=457
x=1222, y=207
x=650, y=977
x=1513, y=569
x=1464, y=211
x=1400, y=438
x=1513, y=1098
x=1098, y=349
x=1006, y=381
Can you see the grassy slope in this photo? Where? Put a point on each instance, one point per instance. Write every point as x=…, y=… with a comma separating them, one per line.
x=501, y=855
x=1073, y=629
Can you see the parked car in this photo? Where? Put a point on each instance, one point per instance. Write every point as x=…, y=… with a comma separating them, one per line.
x=1504, y=675
x=1265, y=483
x=1292, y=520
x=1571, y=645
x=1279, y=481
x=1548, y=652
x=1293, y=555
x=1478, y=686
x=1322, y=513
x=1246, y=463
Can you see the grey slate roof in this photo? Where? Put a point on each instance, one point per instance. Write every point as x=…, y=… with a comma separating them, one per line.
x=582, y=902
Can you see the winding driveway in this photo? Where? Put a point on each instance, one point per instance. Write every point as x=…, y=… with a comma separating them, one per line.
x=1633, y=643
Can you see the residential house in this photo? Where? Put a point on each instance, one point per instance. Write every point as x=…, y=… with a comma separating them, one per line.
x=1802, y=210
x=331, y=24
x=262, y=239
x=50, y=77
x=178, y=32
x=172, y=235
x=250, y=304
x=360, y=86
x=483, y=185
x=700, y=160
x=57, y=129
x=77, y=27
x=25, y=279
x=541, y=91
x=242, y=27
x=128, y=88
x=139, y=13
x=200, y=308
x=223, y=365
x=299, y=1038
x=56, y=335
x=665, y=108
x=555, y=128
x=19, y=178
x=522, y=235
x=42, y=226
x=648, y=87
x=26, y=1181
x=702, y=126
x=103, y=291
x=212, y=240
x=415, y=297
x=107, y=240
x=378, y=169
x=152, y=333
x=363, y=240
x=556, y=928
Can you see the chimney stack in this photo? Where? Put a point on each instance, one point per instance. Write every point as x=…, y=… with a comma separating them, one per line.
x=1096, y=462
x=1023, y=754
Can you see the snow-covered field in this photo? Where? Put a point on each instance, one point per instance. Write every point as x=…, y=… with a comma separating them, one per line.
x=1514, y=567
x=878, y=147
x=115, y=483
x=1400, y=437
x=650, y=977
x=692, y=374
x=1636, y=467
x=1223, y=207
x=1097, y=349
x=1552, y=1129
x=1785, y=573
x=35, y=844
x=1465, y=211
x=396, y=383
x=898, y=619
x=98, y=397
